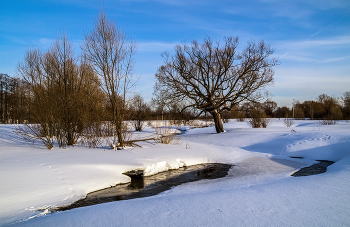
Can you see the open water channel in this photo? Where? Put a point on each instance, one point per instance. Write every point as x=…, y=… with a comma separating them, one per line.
x=152, y=185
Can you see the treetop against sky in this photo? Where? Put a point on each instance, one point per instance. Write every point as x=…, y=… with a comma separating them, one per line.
x=311, y=38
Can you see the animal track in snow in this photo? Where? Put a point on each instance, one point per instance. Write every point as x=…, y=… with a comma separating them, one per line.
x=309, y=144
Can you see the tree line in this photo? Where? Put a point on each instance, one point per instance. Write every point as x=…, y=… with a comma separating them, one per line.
x=16, y=100
x=324, y=107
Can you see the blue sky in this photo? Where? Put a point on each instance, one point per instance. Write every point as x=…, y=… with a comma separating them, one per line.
x=310, y=37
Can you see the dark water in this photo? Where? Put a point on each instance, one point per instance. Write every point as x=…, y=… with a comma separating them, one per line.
x=152, y=185
x=318, y=168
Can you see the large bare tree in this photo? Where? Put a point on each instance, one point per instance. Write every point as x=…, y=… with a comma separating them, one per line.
x=212, y=78
x=111, y=54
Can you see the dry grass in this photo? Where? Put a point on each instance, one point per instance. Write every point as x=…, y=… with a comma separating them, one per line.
x=166, y=134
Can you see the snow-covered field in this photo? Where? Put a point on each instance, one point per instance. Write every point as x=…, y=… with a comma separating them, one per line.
x=258, y=191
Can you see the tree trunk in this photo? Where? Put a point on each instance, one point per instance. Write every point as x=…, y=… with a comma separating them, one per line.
x=217, y=120
x=120, y=135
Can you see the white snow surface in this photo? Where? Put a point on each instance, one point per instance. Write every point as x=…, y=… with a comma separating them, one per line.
x=258, y=190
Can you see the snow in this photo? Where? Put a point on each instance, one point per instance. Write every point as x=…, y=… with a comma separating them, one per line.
x=161, y=167
x=258, y=190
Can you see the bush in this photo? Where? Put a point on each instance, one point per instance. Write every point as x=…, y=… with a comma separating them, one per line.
x=327, y=122
x=225, y=120
x=33, y=132
x=258, y=119
x=265, y=122
x=138, y=125
x=288, y=122
x=166, y=135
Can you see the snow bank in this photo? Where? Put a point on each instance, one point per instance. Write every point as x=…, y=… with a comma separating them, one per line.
x=161, y=167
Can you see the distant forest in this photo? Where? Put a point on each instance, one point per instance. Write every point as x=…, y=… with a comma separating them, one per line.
x=16, y=99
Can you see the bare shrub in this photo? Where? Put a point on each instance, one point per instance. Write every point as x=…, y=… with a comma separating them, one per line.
x=149, y=124
x=288, y=122
x=92, y=136
x=254, y=122
x=32, y=132
x=111, y=137
x=127, y=135
x=265, y=122
x=166, y=135
x=241, y=119
x=179, y=122
x=202, y=124
x=258, y=119
x=327, y=122
x=138, y=125
x=225, y=120
x=139, y=112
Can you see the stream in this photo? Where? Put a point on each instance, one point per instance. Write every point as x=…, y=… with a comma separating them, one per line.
x=140, y=187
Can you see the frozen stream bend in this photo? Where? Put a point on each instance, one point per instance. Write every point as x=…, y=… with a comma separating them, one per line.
x=140, y=187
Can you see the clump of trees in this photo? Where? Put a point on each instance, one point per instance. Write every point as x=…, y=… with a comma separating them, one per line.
x=13, y=99
x=325, y=107
x=71, y=96
x=64, y=94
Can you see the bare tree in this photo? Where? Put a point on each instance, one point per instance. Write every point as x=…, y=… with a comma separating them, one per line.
x=140, y=112
x=111, y=54
x=212, y=78
x=269, y=107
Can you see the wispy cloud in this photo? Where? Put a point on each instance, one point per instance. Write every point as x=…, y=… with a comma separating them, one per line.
x=45, y=41
x=314, y=50
x=15, y=39
x=328, y=26
x=337, y=40
x=296, y=57
x=335, y=59
x=156, y=46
